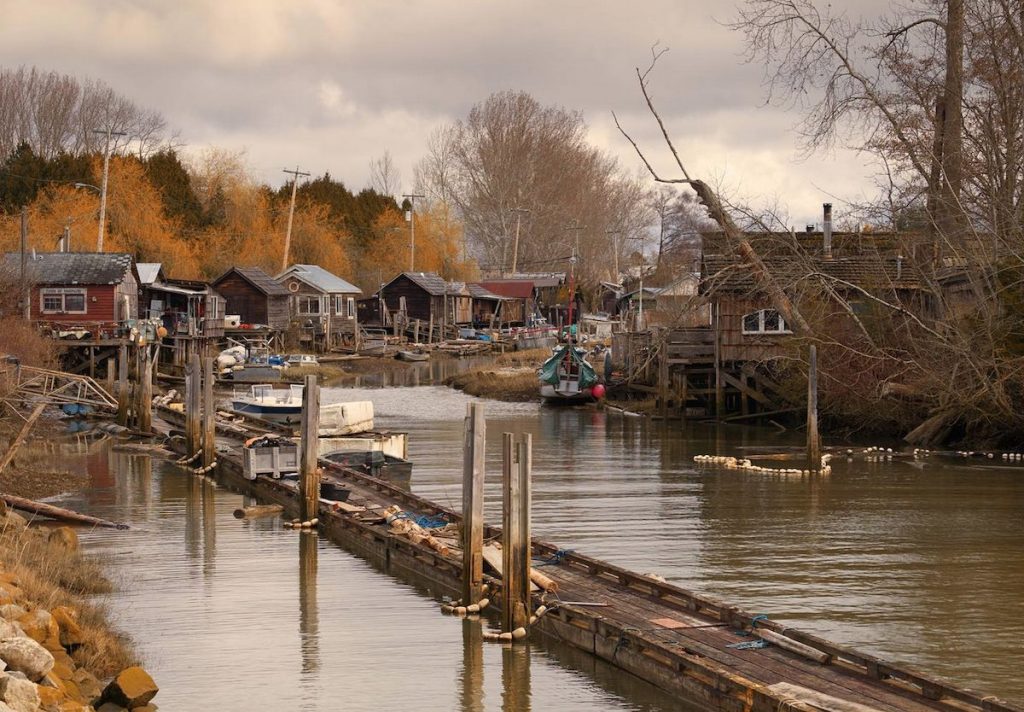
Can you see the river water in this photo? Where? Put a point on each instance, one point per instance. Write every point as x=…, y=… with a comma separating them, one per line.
x=923, y=564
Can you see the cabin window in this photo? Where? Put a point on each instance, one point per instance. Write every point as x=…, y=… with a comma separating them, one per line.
x=309, y=305
x=62, y=301
x=765, y=321
x=351, y=313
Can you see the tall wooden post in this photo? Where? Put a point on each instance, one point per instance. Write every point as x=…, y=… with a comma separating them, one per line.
x=516, y=461
x=122, y=385
x=309, y=475
x=813, y=440
x=473, y=504
x=209, y=415
x=663, y=378
x=719, y=385
x=146, y=392
x=111, y=374
x=193, y=389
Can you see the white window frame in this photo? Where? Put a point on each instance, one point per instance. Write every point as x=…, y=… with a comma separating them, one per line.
x=761, y=319
x=63, y=294
x=350, y=308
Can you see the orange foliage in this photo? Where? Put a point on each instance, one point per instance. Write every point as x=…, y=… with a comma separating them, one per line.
x=49, y=213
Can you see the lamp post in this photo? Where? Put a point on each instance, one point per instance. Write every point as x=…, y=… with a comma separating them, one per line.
x=412, y=228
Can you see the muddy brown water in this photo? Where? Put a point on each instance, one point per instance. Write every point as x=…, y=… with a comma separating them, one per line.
x=922, y=564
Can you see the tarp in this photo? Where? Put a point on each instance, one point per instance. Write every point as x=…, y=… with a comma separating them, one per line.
x=549, y=370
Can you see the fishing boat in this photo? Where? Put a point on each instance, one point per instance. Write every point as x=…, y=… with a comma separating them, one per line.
x=274, y=404
x=412, y=356
x=567, y=377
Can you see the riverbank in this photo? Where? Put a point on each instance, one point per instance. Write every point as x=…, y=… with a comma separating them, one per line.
x=56, y=641
x=512, y=377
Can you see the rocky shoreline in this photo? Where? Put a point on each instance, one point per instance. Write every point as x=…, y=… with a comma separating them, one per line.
x=58, y=652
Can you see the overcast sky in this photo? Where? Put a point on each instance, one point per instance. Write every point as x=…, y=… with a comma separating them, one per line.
x=329, y=85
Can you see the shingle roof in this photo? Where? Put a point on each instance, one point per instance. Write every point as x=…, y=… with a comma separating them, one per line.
x=431, y=282
x=316, y=276
x=259, y=279
x=478, y=291
x=724, y=274
x=74, y=267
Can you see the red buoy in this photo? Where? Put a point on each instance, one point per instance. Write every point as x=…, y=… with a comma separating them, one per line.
x=598, y=391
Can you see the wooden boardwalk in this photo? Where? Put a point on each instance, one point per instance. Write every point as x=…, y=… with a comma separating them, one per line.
x=680, y=641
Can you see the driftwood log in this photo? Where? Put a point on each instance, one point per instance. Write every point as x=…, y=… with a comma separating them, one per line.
x=258, y=510
x=58, y=513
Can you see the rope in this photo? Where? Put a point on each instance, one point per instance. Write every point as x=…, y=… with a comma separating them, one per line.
x=555, y=559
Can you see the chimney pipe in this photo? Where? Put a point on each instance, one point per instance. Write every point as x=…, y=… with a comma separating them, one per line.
x=826, y=229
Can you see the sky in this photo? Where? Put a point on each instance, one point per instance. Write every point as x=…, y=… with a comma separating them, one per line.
x=329, y=85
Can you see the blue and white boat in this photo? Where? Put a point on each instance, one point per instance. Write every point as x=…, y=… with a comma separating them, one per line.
x=277, y=405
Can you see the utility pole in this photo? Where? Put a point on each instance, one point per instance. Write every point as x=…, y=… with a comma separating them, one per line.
x=103, y=185
x=412, y=228
x=515, y=243
x=25, y=299
x=291, y=214
x=615, y=251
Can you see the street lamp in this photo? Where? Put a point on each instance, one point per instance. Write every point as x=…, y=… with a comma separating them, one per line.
x=412, y=228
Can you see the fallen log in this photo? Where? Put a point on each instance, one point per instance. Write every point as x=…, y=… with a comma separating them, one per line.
x=25, y=429
x=58, y=513
x=818, y=656
x=258, y=510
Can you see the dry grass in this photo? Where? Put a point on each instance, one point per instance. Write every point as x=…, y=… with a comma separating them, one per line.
x=530, y=357
x=506, y=384
x=324, y=373
x=19, y=338
x=51, y=576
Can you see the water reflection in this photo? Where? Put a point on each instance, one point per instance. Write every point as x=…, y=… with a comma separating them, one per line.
x=471, y=674
x=309, y=619
x=413, y=374
x=515, y=678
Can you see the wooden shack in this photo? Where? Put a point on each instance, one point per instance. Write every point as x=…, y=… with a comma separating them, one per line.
x=255, y=298
x=322, y=306
x=518, y=304
x=80, y=291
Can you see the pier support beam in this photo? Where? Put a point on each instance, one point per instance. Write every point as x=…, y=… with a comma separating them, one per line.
x=145, y=405
x=813, y=439
x=309, y=475
x=473, y=504
x=515, y=523
x=209, y=415
x=193, y=390
x=122, y=385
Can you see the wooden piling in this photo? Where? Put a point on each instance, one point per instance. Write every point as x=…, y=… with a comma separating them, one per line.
x=473, y=504
x=209, y=415
x=122, y=385
x=192, y=404
x=111, y=374
x=813, y=439
x=515, y=581
x=145, y=405
x=309, y=475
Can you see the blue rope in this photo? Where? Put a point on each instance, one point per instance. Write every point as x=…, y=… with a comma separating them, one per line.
x=424, y=521
x=753, y=624
x=553, y=560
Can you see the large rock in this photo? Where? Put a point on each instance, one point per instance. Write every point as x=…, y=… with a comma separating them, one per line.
x=10, y=629
x=132, y=688
x=14, y=521
x=50, y=698
x=12, y=611
x=19, y=695
x=40, y=626
x=27, y=656
x=70, y=632
x=64, y=537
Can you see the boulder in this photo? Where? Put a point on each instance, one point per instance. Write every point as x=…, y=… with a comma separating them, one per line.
x=19, y=695
x=10, y=629
x=13, y=520
x=39, y=625
x=12, y=611
x=88, y=685
x=50, y=698
x=67, y=620
x=27, y=656
x=64, y=537
x=132, y=688
x=111, y=707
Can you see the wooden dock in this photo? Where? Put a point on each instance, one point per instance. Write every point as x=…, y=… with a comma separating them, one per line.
x=685, y=643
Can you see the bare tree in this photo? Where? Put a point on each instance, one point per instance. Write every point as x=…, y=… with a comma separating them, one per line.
x=385, y=177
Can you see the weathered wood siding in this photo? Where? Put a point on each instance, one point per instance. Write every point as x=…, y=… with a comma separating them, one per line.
x=252, y=305
x=419, y=303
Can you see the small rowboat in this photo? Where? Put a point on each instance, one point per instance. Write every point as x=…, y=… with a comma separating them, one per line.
x=265, y=401
x=412, y=356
